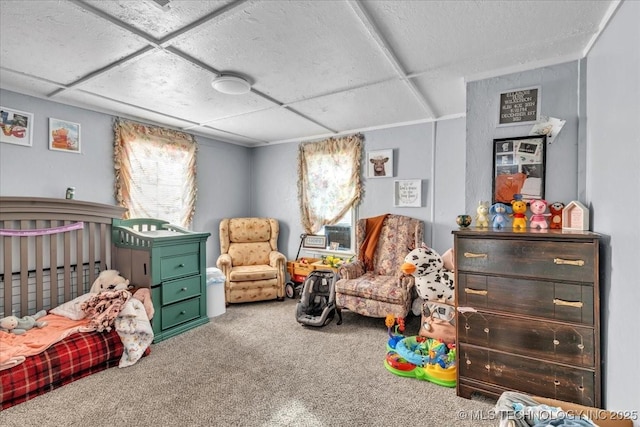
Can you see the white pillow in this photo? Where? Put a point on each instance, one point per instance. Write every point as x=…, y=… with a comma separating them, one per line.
x=73, y=309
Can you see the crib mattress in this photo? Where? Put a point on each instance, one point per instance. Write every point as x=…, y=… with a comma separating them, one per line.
x=74, y=357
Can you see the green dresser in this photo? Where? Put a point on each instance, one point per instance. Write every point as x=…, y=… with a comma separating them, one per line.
x=172, y=262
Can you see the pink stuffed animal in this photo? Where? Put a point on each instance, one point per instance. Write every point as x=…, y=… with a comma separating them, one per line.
x=538, y=218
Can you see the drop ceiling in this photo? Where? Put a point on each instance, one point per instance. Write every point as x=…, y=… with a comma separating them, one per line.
x=317, y=68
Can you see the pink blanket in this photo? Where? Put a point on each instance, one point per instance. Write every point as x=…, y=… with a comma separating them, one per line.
x=15, y=348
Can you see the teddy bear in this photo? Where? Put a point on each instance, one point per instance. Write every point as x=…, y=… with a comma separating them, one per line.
x=538, y=218
x=433, y=282
x=499, y=212
x=482, y=217
x=109, y=280
x=519, y=208
x=556, y=208
x=20, y=325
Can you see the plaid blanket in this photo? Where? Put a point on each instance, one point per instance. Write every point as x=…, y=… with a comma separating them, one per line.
x=73, y=358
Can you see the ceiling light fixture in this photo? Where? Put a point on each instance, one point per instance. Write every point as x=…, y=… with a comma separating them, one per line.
x=231, y=84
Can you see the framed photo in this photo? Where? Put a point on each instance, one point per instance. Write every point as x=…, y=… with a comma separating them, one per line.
x=519, y=106
x=519, y=168
x=407, y=193
x=64, y=136
x=315, y=241
x=380, y=164
x=17, y=127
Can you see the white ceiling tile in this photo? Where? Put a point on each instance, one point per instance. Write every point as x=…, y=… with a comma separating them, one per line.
x=158, y=22
x=371, y=106
x=170, y=85
x=447, y=93
x=58, y=41
x=276, y=124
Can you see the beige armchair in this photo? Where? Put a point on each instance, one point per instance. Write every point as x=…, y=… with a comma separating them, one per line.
x=380, y=288
x=249, y=258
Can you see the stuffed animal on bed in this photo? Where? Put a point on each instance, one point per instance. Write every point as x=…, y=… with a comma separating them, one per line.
x=109, y=280
x=433, y=281
x=20, y=325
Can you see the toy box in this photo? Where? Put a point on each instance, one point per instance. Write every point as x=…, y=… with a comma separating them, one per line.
x=601, y=417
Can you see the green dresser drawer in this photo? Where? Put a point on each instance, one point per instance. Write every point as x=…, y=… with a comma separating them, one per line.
x=172, y=267
x=556, y=260
x=180, y=312
x=181, y=289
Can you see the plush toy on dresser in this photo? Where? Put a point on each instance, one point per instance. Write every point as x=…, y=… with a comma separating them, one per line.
x=482, y=217
x=538, y=218
x=556, y=215
x=519, y=208
x=499, y=212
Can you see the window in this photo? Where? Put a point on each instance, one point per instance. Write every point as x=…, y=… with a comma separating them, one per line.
x=329, y=185
x=155, y=172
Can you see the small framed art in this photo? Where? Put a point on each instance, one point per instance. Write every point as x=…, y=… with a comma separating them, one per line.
x=64, y=136
x=314, y=241
x=380, y=164
x=407, y=193
x=17, y=127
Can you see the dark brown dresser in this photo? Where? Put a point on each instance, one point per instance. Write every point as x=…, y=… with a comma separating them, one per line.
x=528, y=313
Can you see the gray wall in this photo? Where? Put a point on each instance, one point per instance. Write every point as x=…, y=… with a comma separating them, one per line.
x=275, y=190
x=613, y=193
x=560, y=98
x=37, y=171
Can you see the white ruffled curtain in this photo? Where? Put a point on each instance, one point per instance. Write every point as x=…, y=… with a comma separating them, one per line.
x=329, y=182
x=155, y=172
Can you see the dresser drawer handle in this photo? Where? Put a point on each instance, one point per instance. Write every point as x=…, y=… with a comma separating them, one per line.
x=183, y=312
x=576, y=304
x=181, y=265
x=475, y=291
x=184, y=289
x=560, y=261
x=472, y=255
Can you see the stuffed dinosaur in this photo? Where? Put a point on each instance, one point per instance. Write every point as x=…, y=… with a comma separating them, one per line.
x=20, y=325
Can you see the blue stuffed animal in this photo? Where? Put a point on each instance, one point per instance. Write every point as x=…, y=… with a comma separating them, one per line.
x=500, y=213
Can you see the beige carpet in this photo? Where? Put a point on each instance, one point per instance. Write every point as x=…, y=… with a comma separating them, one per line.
x=256, y=365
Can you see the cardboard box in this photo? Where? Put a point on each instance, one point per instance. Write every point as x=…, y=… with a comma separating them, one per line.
x=601, y=417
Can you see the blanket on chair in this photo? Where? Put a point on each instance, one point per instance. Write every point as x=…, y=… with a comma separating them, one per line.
x=370, y=243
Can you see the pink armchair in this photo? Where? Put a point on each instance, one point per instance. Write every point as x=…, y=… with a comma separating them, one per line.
x=383, y=289
x=249, y=258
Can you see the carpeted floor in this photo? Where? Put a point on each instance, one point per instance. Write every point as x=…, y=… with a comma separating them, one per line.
x=255, y=365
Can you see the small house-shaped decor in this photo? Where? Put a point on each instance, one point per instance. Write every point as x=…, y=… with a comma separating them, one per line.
x=575, y=216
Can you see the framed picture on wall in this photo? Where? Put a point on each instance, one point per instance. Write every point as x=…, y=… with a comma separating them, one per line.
x=17, y=127
x=64, y=136
x=519, y=106
x=380, y=163
x=407, y=193
x=314, y=241
x=519, y=168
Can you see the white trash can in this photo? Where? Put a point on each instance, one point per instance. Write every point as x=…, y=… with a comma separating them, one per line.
x=215, y=292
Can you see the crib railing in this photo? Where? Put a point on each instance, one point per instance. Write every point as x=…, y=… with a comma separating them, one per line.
x=51, y=250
